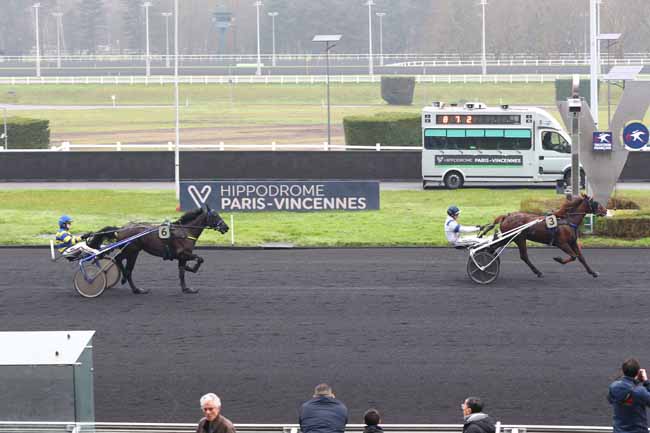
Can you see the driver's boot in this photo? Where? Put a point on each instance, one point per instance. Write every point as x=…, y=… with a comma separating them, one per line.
x=139, y=291
x=190, y=290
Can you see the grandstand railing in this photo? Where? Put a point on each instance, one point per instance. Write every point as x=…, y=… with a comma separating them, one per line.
x=71, y=427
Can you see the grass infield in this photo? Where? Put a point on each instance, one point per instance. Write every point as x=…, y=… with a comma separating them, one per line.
x=406, y=218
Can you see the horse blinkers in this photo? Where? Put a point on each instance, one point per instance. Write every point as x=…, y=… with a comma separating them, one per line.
x=216, y=222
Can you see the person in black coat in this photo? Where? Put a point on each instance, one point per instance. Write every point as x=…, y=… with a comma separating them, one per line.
x=372, y=418
x=475, y=420
x=323, y=413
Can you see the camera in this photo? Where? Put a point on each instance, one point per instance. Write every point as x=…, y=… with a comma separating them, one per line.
x=575, y=105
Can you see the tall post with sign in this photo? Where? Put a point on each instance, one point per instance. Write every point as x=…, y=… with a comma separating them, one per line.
x=575, y=105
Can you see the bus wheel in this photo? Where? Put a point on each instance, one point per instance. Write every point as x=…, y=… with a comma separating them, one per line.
x=453, y=180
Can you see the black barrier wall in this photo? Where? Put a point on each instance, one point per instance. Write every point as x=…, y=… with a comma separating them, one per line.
x=159, y=166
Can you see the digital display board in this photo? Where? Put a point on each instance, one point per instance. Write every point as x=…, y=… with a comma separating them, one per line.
x=478, y=119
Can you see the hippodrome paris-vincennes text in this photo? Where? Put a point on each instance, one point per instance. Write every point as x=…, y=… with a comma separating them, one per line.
x=285, y=197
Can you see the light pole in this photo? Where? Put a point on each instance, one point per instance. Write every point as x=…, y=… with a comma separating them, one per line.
x=177, y=160
x=258, y=4
x=328, y=39
x=611, y=39
x=146, y=6
x=5, y=136
x=370, y=4
x=273, y=15
x=381, y=15
x=594, y=61
x=38, y=42
x=166, y=15
x=483, y=55
x=58, y=16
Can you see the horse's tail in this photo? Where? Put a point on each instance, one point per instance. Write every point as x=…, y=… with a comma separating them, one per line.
x=95, y=239
x=489, y=227
x=499, y=219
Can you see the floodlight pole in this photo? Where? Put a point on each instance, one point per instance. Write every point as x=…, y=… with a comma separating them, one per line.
x=177, y=163
x=370, y=4
x=273, y=15
x=58, y=16
x=258, y=4
x=483, y=54
x=381, y=15
x=166, y=15
x=327, y=73
x=146, y=6
x=38, y=42
x=595, y=60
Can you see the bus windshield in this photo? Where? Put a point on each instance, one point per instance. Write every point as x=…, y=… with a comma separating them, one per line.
x=477, y=139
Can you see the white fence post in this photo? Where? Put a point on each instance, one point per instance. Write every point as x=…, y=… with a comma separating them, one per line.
x=232, y=230
x=169, y=145
x=65, y=146
x=273, y=146
x=378, y=147
x=118, y=146
x=326, y=146
x=221, y=146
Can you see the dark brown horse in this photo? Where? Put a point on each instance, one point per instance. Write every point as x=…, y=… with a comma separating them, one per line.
x=565, y=236
x=183, y=236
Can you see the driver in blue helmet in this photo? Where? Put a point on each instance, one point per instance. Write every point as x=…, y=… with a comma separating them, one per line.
x=67, y=244
x=453, y=229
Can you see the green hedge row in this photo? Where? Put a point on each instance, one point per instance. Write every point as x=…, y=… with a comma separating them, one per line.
x=389, y=129
x=24, y=133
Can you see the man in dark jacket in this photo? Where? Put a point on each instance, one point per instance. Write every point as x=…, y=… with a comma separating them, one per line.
x=630, y=396
x=372, y=418
x=213, y=422
x=475, y=420
x=323, y=413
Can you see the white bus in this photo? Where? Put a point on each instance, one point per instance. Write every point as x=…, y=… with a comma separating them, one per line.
x=480, y=145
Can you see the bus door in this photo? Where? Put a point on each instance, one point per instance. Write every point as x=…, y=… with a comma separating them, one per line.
x=554, y=153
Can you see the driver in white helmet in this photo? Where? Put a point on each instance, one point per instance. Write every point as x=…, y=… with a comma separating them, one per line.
x=453, y=229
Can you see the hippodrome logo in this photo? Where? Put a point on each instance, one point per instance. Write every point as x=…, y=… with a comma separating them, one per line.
x=479, y=160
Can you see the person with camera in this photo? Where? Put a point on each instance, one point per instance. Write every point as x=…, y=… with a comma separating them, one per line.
x=630, y=396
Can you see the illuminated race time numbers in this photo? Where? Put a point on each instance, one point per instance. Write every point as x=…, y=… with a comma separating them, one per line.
x=478, y=119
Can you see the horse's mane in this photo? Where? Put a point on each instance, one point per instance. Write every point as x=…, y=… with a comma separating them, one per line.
x=569, y=205
x=189, y=216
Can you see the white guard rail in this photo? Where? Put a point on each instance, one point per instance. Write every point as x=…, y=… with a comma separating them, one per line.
x=63, y=427
x=66, y=147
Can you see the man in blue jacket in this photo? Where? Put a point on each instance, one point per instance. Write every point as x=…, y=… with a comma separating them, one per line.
x=323, y=413
x=630, y=396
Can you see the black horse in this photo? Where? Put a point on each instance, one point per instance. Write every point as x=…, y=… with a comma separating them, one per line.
x=183, y=236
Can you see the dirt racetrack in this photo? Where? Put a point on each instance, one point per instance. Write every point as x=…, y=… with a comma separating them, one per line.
x=403, y=330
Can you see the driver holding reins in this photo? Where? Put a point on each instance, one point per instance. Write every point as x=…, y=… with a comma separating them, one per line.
x=453, y=229
x=68, y=245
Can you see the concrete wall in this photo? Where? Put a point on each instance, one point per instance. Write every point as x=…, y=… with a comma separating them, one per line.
x=159, y=166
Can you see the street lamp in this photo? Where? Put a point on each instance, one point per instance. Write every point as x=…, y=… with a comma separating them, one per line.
x=330, y=42
x=370, y=4
x=146, y=6
x=381, y=15
x=611, y=39
x=38, y=42
x=59, y=26
x=273, y=15
x=258, y=4
x=166, y=15
x=483, y=55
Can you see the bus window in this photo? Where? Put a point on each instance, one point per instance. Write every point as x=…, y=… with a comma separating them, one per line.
x=435, y=139
x=477, y=139
x=555, y=142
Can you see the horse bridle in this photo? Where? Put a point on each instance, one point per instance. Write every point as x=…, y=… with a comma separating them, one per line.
x=591, y=204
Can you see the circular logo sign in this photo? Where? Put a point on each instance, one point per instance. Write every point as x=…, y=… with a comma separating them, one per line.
x=635, y=135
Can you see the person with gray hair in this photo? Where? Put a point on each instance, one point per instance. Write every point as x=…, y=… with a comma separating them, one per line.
x=475, y=420
x=213, y=421
x=323, y=413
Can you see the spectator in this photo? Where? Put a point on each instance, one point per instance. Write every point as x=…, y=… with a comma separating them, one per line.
x=213, y=422
x=630, y=396
x=323, y=413
x=372, y=418
x=475, y=420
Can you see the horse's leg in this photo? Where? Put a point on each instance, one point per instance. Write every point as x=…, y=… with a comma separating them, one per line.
x=199, y=260
x=523, y=254
x=564, y=246
x=578, y=249
x=182, y=266
x=130, y=264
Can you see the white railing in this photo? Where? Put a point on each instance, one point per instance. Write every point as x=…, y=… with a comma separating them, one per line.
x=287, y=79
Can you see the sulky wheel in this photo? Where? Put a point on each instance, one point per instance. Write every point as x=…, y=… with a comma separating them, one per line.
x=92, y=284
x=488, y=261
x=111, y=270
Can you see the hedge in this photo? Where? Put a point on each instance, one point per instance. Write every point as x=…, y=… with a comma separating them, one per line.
x=24, y=133
x=390, y=129
x=397, y=90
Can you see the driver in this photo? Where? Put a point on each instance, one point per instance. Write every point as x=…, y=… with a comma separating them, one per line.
x=68, y=245
x=453, y=229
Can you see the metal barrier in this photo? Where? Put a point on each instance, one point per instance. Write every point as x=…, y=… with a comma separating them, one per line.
x=63, y=427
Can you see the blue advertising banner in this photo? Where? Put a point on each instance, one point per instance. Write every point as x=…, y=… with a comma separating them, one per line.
x=279, y=195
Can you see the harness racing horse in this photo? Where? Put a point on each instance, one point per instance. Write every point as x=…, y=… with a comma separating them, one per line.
x=565, y=236
x=183, y=235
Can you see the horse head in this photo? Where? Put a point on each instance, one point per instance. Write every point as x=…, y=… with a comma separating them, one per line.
x=214, y=220
x=592, y=206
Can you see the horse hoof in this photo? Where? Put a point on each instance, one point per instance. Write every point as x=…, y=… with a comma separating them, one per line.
x=595, y=274
x=140, y=291
x=190, y=290
x=540, y=275
x=559, y=260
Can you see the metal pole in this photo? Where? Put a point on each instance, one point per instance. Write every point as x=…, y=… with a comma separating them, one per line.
x=4, y=117
x=609, y=93
x=327, y=69
x=166, y=15
x=381, y=37
x=146, y=6
x=177, y=163
x=370, y=4
x=38, y=42
x=273, y=15
x=575, y=155
x=258, y=4
x=593, y=82
x=58, y=16
x=483, y=54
